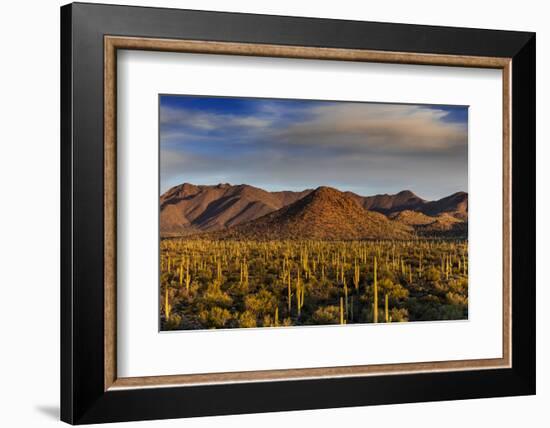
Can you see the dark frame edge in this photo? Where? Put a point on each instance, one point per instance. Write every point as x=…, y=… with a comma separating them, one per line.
x=524, y=214
x=66, y=129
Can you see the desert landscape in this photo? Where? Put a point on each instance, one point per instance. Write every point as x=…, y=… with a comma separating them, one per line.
x=281, y=213
x=240, y=256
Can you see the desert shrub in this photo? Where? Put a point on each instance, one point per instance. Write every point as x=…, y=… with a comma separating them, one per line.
x=213, y=297
x=215, y=317
x=394, y=291
x=268, y=321
x=432, y=274
x=287, y=322
x=247, y=319
x=173, y=323
x=327, y=315
x=263, y=303
x=399, y=315
x=459, y=286
x=456, y=299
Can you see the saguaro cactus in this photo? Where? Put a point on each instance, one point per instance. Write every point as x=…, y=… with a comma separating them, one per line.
x=386, y=312
x=356, y=275
x=375, y=309
x=289, y=294
x=244, y=273
x=346, y=297
x=219, y=271
x=187, y=276
x=167, y=306
x=299, y=293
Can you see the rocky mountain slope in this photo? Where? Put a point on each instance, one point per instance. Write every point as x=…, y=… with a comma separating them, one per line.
x=323, y=213
x=188, y=209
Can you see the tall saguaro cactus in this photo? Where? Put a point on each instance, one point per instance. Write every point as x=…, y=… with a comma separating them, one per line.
x=244, y=273
x=356, y=275
x=299, y=293
x=346, y=297
x=219, y=271
x=187, y=276
x=289, y=294
x=375, y=309
x=167, y=306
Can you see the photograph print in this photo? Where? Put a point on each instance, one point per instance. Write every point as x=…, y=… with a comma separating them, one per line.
x=287, y=212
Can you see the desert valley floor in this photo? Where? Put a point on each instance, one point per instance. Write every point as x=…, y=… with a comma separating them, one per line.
x=239, y=256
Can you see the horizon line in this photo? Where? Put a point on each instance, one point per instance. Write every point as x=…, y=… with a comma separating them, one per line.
x=309, y=188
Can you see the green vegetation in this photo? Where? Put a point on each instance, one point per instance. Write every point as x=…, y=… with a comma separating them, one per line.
x=245, y=283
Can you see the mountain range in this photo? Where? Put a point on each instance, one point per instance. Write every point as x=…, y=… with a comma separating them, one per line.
x=244, y=211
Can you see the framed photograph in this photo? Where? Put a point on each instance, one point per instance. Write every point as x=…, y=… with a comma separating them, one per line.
x=266, y=213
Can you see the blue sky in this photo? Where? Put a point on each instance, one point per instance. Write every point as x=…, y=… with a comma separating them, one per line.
x=280, y=144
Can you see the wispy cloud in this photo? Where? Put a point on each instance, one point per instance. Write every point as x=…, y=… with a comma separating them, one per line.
x=190, y=119
x=364, y=127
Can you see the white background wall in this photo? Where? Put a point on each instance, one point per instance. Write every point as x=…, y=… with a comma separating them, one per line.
x=29, y=214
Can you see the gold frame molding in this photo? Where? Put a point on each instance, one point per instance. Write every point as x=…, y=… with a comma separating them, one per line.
x=113, y=43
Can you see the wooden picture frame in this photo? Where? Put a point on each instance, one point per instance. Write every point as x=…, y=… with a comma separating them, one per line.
x=91, y=390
